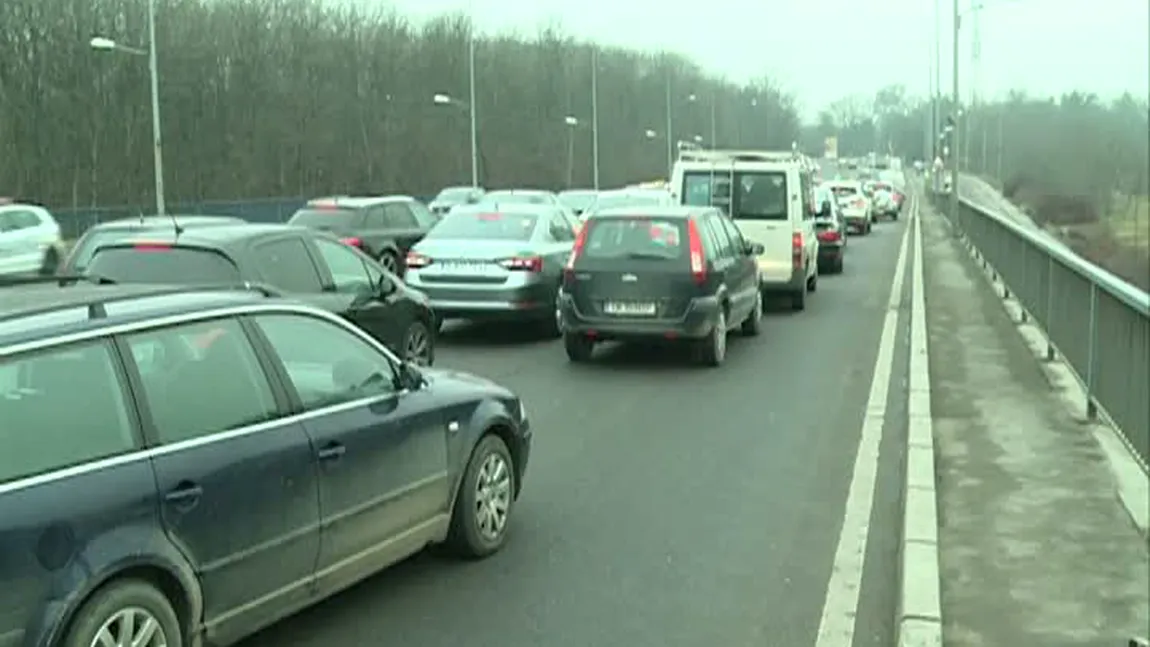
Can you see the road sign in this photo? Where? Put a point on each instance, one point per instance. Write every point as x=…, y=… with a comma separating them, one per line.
x=831, y=148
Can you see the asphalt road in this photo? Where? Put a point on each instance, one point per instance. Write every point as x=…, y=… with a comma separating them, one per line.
x=666, y=505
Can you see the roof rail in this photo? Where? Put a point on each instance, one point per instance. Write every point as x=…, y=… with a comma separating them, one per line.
x=96, y=305
x=63, y=280
x=738, y=156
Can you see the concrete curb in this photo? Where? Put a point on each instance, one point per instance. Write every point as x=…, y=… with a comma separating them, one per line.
x=1131, y=474
x=919, y=610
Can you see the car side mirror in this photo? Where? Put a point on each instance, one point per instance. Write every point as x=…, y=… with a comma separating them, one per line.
x=407, y=376
x=754, y=249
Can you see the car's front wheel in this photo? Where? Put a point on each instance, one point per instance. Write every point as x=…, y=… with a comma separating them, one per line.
x=483, y=505
x=419, y=344
x=125, y=613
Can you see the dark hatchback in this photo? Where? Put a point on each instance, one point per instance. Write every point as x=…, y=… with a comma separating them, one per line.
x=671, y=273
x=301, y=262
x=157, y=227
x=831, y=231
x=230, y=460
x=383, y=227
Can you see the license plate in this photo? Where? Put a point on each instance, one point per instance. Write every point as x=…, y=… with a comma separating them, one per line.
x=630, y=308
x=464, y=267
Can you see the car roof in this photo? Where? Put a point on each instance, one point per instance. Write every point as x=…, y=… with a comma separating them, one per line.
x=159, y=222
x=652, y=211
x=510, y=207
x=32, y=312
x=355, y=202
x=521, y=192
x=221, y=236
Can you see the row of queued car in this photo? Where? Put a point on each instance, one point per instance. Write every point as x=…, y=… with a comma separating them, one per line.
x=170, y=377
x=210, y=424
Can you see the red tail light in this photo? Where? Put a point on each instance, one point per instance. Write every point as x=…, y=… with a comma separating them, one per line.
x=829, y=236
x=152, y=247
x=797, y=250
x=354, y=242
x=695, y=248
x=576, y=250
x=416, y=261
x=858, y=203
x=523, y=264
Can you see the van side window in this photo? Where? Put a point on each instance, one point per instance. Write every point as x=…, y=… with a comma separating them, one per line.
x=46, y=426
x=806, y=196
x=200, y=379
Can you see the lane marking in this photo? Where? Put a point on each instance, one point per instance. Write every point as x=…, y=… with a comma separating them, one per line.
x=837, y=626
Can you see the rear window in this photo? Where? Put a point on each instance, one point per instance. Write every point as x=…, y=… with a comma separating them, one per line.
x=638, y=238
x=627, y=200
x=844, y=191
x=745, y=195
x=86, y=246
x=508, y=197
x=161, y=264
x=338, y=218
x=484, y=225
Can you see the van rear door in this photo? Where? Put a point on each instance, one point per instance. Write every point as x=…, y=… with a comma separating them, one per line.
x=762, y=213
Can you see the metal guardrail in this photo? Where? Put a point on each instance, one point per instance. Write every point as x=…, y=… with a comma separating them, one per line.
x=1098, y=323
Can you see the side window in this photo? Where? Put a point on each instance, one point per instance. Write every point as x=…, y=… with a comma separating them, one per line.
x=736, y=236
x=396, y=215
x=201, y=379
x=45, y=427
x=326, y=363
x=561, y=230
x=423, y=215
x=374, y=218
x=724, y=248
x=286, y=264
x=806, y=197
x=17, y=219
x=347, y=269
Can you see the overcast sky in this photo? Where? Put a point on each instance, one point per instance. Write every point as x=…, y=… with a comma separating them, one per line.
x=823, y=49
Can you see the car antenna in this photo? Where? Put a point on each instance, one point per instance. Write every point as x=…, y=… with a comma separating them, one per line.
x=176, y=224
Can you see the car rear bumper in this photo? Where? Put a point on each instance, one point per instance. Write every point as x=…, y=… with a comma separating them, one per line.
x=696, y=322
x=773, y=283
x=475, y=302
x=856, y=223
x=830, y=253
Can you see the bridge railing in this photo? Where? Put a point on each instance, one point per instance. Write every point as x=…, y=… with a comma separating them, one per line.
x=1097, y=322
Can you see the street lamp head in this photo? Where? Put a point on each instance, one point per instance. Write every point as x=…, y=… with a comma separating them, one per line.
x=691, y=97
x=698, y=139
x=102, y=44
x=570, y=121
x=441, y=99
x=650, y=134
x=754, y=103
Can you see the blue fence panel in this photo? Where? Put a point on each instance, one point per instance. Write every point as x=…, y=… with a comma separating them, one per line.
x=74, y=222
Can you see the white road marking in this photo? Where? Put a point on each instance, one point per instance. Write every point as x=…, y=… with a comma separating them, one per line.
x=837, y=626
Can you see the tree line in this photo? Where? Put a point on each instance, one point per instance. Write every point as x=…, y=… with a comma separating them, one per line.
x=263, y=98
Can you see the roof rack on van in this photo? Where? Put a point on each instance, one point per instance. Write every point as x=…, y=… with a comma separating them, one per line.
x=96, y=303
x=738, y=156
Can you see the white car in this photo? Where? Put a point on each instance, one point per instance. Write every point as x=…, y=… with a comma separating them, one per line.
x=854, y=205
x=29, y=239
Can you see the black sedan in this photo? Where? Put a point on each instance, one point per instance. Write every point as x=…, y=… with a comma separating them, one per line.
x=308, y=265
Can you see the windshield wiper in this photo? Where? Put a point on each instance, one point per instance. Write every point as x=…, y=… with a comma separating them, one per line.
x=653, y=256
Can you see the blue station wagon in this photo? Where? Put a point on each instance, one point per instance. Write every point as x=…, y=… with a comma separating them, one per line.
x=184, y=466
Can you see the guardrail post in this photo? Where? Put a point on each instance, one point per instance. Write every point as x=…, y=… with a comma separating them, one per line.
x=1091, y=352
x=1025, y=281
x=1049, y=307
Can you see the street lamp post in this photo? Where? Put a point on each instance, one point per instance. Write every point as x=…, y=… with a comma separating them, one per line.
x=107, y=44
x=670, y=129
x=448, y=100
x=474, y=124
x=595, y=115
x=572, y=123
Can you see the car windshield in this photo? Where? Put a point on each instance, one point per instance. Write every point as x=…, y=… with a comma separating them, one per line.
x=636, y=199
x=844, y=191
x=512, y=197
x=325, y=218
x=484, y=225
x=160, y=263
x=638, y=238
x=454, y=194
x=578, y=200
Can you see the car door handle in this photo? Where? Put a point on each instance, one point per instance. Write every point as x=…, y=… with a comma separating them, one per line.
x=184, y=493
x=331, y=452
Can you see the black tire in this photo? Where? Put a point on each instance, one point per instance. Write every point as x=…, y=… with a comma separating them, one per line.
x=799, y=300
x=414, y=332
x=51, y=262
x=118, y=596
x=465, y=538
x=390, y=261
x=753, y=324
x=551, y=327
x=813, y=283
x=579, y=348
x=712, y=350
x=838, y=267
